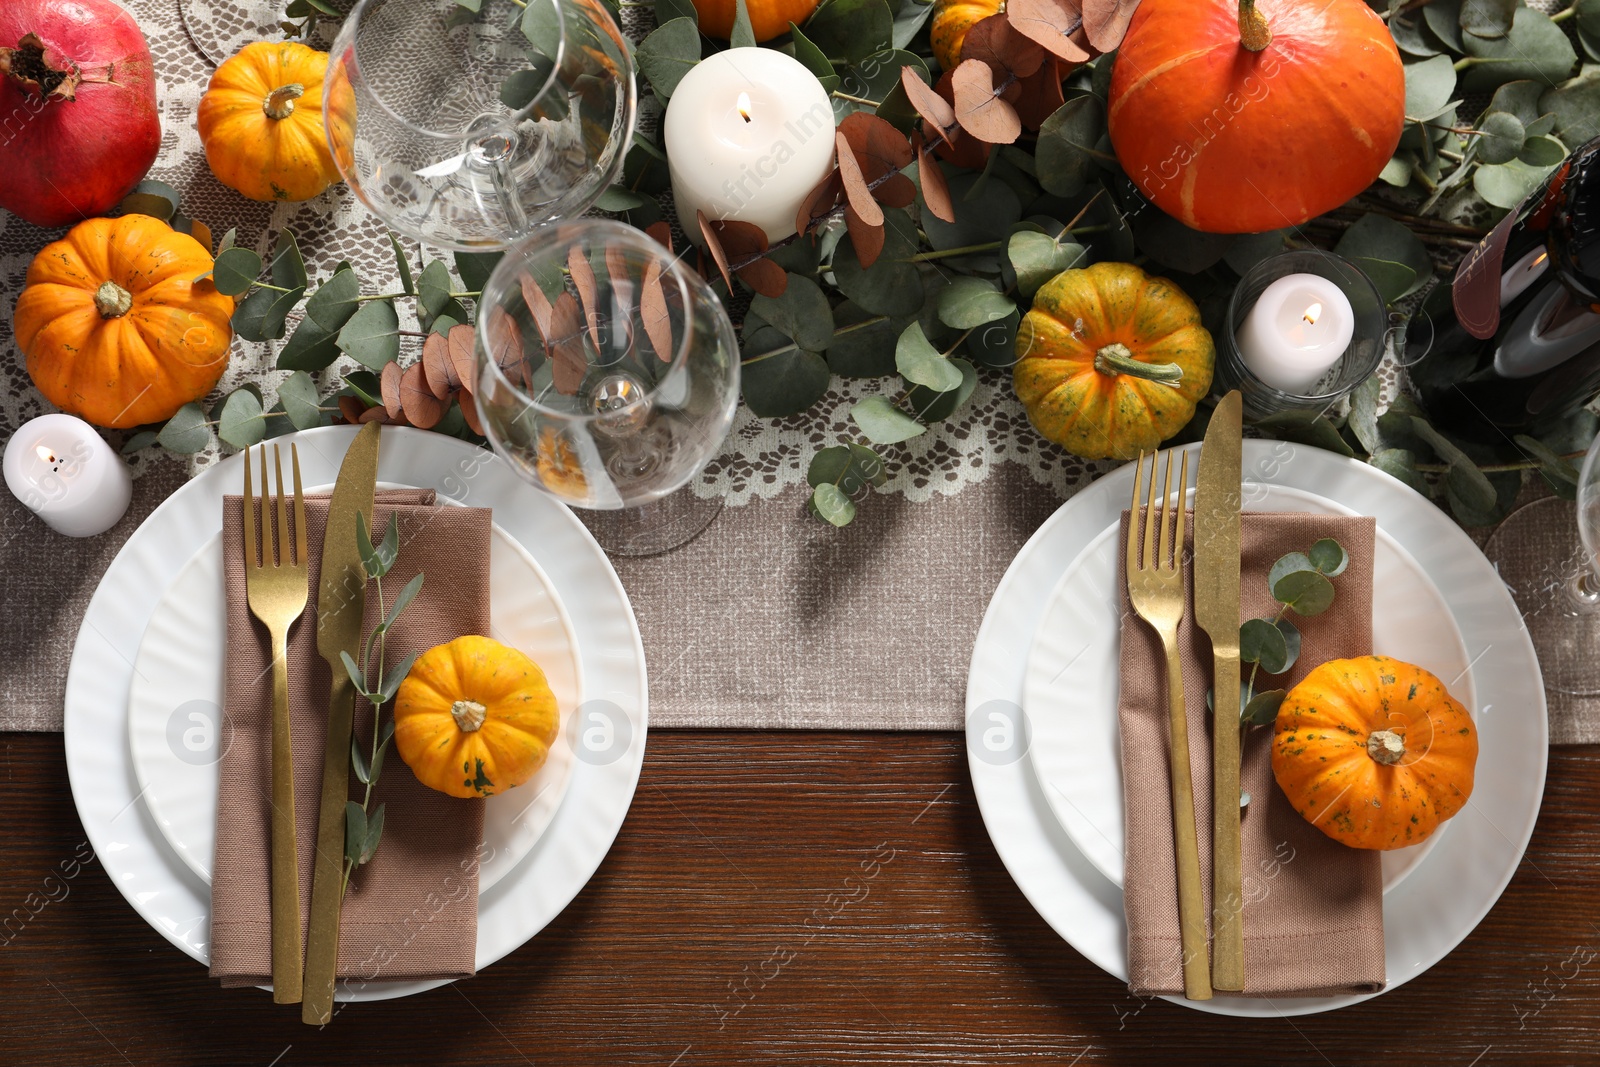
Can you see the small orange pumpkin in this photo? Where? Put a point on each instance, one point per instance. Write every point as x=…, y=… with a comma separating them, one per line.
x=114, y=327
x=261, y=122
x=474, y=718
x=1110, y=361
x=947, y=31
x=1374, y=752
x=768, y=18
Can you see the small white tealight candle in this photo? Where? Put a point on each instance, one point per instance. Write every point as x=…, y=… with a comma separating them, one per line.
x=65, y=473
x=1299, y=328
x=748, y=133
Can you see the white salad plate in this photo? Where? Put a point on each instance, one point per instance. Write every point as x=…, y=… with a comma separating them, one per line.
x=175, y=726
x=608, y=736
x=1443, y=899
x=1070, y=693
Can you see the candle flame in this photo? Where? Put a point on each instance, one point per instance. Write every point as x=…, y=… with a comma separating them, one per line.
x=1311, y=313
x=45, y=454
x=744, y=106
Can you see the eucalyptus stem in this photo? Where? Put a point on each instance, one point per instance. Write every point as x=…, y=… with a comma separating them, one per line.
x=857, y=99
x=377, y=713
x=1562, y=16
x=836, y=333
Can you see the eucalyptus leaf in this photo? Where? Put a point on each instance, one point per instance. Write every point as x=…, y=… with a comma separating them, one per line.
x=1576, y=107
x=358, y=760
x=930, y=406
x=1535, y=48
x=780, y=379
x=372, y=336
x=995, y=345
x=1306, y=428
x=1287, y=564
x=309, y=348
x=262, y=315
x=979, y=220
x=186, y=431
x=1508, y=184
x=288, y=267
x=298, y=395
x=667, y=10
x=812, y=58
x=433, y=292
x=883, y=423
x=235, y=271
x=909, y=19
x=1252, y=248
x=352, y=670
x=1408, y=36
x=1464, y=481
x=1519, y=99
x=403, y=265
x=667, y=55
x=850, y=467
x=355, y=832
x=1542, y=152
x=1401, y=464
x=138, y=442
x=1506, y=486
x=1262, y=710
x=1377, y=237
x=1261, y=642
x=1487, y=18
x=1363, y=420
x=922, y=364
x=335, y=300
x=1173, y=245
x=1329, y=557
x=241, y=423
x=401, y=602
x=862, y=345
x=372, y=836
x=1501, y=136
x=156, y=199
x=742, y=36
x=830, y=502
x=385, y=735
x=1443, y=19
x=397, y=674
x=1430, y=85
x=851, y=30
x=1558, y=472
x=1036, y=258
x=967, y=303
x=1305, y=592
x=802, y=313
x=1397, y=172
x=1065, y=154
x=891, y=286
x=476, y=267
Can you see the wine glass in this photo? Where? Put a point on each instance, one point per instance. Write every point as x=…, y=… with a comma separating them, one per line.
x=607, y=375
x=1551, y=564
x=465, y=129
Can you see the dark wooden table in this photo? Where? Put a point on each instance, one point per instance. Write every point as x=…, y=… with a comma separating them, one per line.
x=691, y=945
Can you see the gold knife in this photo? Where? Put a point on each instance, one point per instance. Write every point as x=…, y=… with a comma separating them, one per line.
x=1217, y=501
x=341, y=604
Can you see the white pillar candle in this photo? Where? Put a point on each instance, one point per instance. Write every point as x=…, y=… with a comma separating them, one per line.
x=748, y=133
x=1299, y=328
x=65, y=473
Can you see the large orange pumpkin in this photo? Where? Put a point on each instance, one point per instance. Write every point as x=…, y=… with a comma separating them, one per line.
x=262, y=126
x=768, y=18
x=114, y=327
x=1238, y=117
x=1374, y=752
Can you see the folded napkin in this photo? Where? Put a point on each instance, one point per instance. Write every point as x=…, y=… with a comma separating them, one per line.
x=1313, y=913
x=412, y=912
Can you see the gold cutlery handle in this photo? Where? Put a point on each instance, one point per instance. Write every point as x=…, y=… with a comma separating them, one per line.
x=1191, y=896
x=286, y=959
x=327, y=883
x=1227, y=863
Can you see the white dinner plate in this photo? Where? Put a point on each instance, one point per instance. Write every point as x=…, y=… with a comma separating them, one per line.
x=175, y=726
x=1070, y=692
x=1432, y=910
x=611, y=729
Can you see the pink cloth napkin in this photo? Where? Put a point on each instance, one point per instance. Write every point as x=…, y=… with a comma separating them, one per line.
x=1313, y=913
x=412, y=912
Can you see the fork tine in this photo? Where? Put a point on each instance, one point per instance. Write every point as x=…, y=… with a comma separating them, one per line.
x=249, y=515
x=281, y=538
x=1183, y=512
x=1164, y=546
x=268, y=538
x=1150, y=515
x=1133, y=517
x=300, y=507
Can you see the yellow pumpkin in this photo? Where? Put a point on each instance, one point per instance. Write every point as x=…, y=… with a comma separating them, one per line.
x=1374, y=752
x=947, y=31
x=114, y=327
x=262, y=126
x=1110, y=361
x=474, y=718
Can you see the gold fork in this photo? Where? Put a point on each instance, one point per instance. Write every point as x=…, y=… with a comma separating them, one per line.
x=1156, y=588
x=276, y=587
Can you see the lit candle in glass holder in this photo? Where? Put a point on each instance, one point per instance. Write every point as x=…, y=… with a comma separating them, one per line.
x=65, y=473
x=1300, y=326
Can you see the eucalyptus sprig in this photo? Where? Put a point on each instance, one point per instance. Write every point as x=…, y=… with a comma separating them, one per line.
x=377, y=683
x=1302, y=583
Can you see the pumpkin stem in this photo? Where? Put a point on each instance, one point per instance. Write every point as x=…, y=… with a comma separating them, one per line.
x=112, y=300
x=28, y=68
x=1254, y=33
x=280, y=104
x=468, y=714
x=1116, y=359
x=1387, y=747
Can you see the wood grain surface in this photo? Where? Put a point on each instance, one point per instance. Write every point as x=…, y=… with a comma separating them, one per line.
x=782, y=898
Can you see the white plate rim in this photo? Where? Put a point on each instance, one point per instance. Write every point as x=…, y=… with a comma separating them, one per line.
x=160, y=886
x=1065, y=888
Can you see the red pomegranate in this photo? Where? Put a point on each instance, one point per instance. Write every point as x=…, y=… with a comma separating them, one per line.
x=78, y=122
x=1238, y=117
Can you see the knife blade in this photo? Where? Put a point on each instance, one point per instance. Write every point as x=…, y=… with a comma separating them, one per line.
x=341, y=604
x=1218, y=499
